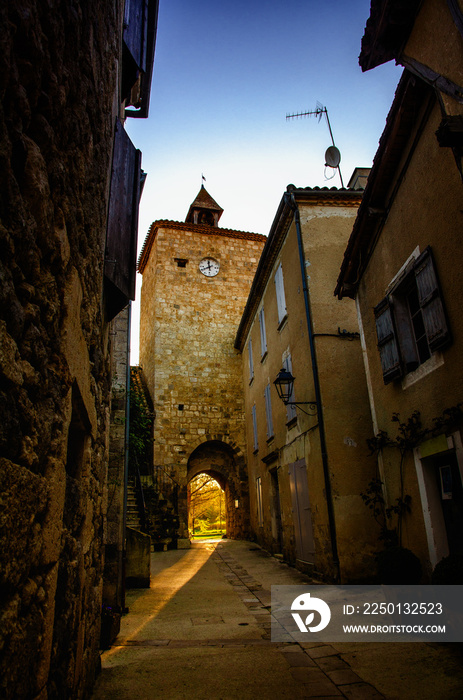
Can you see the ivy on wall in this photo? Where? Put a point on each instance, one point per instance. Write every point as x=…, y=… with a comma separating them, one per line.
x=140, y=432
x=410, y=434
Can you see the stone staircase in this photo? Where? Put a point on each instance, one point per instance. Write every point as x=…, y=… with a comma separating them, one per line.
x=133, y=515
x=162, y=519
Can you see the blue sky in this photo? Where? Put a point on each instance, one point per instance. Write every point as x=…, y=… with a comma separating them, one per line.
x=225, y=76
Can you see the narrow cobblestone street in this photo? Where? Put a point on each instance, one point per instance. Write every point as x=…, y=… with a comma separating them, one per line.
x=202, y=630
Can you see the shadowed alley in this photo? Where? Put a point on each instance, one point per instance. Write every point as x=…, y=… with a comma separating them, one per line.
x=202, y=630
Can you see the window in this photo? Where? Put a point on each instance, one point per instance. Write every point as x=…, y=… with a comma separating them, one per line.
x=291, y=411
x=260, y=512
x=268, y=411
x=254, y=427
x=263, y=335
x=251, y=362
x=280, y=292
x=410, y=321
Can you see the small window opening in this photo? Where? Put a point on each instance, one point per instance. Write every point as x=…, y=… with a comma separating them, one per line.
x=180, y=406
x=78, y=434
x=181, y=262
x=418, y=325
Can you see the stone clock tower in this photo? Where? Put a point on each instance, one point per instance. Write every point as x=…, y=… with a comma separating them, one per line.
x=196, y=281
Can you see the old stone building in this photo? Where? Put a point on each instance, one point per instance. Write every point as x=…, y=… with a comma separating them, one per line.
x=68, y=71
x=196, y=279
x=308, y=463
x=402, y=266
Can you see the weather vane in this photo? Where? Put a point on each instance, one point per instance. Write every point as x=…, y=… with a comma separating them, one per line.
x=332, y=154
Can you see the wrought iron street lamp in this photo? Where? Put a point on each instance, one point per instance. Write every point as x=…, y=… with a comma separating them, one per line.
x=284, y=385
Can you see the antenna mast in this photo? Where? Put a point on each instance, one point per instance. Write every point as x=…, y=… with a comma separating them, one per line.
x=319, y=111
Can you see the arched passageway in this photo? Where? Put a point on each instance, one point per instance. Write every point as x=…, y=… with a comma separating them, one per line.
x=218, y=460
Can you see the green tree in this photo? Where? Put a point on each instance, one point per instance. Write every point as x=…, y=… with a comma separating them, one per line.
x=206, y=503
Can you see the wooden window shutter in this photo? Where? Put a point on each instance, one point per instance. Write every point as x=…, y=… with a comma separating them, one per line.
x=405, y=336
x=254, y=427
x=263, y=334
x=135, y=30
x=280, y=292
x=387, y=341
x=268, y=411
x=138, y=46
x=122, y=228
x=251, y=362
x=260, y=511
x=430, y=298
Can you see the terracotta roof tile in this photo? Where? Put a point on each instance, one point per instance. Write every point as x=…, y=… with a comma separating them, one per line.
x=204, y=199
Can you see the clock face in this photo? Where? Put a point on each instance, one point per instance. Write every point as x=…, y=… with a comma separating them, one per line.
x=209, y=267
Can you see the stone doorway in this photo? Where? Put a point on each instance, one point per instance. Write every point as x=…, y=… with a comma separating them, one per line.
x=226, y=465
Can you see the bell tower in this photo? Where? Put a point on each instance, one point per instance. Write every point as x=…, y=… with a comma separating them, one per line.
x=196, y=281
x=204, y=210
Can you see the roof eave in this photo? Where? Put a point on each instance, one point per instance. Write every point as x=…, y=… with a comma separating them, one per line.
x=387, y=31
x=278, y=231
x=374, y=207
x=196, y=228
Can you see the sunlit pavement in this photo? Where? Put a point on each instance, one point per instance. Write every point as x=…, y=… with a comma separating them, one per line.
x=202, y=630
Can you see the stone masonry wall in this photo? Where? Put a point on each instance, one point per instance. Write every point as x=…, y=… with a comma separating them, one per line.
x=114, y=588
x=58, y=79
x=188, y=326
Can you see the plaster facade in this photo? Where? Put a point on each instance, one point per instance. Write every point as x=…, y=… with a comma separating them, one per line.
x=416, y=191
x=188, y=322
x=288, y=487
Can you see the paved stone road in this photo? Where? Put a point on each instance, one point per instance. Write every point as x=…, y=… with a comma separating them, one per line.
x=202, y=630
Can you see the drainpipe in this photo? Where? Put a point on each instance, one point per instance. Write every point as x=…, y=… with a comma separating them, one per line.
x=126, y=455
x=316, y=381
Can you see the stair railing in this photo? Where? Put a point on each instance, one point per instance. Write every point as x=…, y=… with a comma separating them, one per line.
x=141, y=501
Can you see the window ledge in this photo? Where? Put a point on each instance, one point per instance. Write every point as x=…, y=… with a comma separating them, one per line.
x=251, y=381
x=270, y=439
x=254, y=452
x=436, y=360
x=291, y=423
x=264, y=356
x=271, y=457
x=282, y=323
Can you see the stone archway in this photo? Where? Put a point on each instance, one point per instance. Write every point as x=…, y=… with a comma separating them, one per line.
x=219, y=460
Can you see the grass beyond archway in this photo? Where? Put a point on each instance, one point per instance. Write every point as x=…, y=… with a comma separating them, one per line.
x=206, y=508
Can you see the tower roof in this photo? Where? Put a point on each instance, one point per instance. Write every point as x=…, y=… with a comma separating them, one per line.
x=204, y=204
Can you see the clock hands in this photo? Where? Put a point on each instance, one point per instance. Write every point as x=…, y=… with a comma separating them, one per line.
x=209, y=267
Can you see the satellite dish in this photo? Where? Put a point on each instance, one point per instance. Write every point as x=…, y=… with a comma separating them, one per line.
x=332, y=157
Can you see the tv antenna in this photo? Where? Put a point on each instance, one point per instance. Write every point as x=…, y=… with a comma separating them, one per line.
x=332, y=154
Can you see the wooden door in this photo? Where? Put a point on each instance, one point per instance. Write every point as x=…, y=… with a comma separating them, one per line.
x=302, y=514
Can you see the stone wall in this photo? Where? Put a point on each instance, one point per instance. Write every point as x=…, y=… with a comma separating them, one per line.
x=114, y=587
x=228, y=467
x=58, y=80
